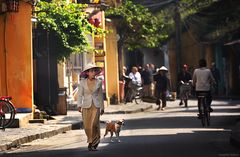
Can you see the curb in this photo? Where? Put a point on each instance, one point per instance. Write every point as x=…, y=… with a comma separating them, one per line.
x=21, y=140
x=61, y=128
x=130, y=111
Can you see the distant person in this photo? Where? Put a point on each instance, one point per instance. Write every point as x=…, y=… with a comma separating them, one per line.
x=135, y=76
x=162, y=84
x=124, y=78
x=123, y=74
x=202, y=80
x=134, y=82
x=90, y=103
x=140, y=69
x=216, y=75
x=184, y=78
x=153, y=70
x=147, y=80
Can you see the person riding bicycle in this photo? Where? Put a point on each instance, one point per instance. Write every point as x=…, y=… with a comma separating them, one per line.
x=136, y=81
x=202, y=80
x=184, y=79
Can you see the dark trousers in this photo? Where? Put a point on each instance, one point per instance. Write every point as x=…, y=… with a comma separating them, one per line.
x=161, y=95
x=208, y=98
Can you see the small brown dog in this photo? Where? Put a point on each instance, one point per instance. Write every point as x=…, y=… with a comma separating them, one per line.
x=114, y=127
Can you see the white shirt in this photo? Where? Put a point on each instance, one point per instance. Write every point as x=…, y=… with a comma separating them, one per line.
x=136, y=78
x=202, y=79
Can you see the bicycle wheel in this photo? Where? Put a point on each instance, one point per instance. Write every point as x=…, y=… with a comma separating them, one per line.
x=8, y=114
x=207, y=115
x=127, y=97
x=138, y=97
x=203, y=118
x=1, y=122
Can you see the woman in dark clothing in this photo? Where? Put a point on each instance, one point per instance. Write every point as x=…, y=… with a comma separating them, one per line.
x=162, y=84
x=184, y=78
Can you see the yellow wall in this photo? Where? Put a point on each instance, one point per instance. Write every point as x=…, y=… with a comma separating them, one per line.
x=112, y=61
x=109, y=59
x=61, y=74
x=191, y=54
x=16, y=77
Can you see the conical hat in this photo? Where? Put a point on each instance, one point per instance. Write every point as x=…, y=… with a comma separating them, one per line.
x=163, y=68
x=88, y=67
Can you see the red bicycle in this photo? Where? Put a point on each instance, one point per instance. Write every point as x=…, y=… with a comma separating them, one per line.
x=7, y=112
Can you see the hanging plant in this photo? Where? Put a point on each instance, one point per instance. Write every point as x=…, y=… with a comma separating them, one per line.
x=69, y=24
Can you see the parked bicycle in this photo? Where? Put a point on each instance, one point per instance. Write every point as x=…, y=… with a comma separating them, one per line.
x=138, y=95
x=7, y=112
x=204, y=112
x=134, y=92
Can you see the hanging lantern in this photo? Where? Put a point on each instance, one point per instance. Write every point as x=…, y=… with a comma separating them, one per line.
x=97, y=22
x=91, y=20
x=12, y=5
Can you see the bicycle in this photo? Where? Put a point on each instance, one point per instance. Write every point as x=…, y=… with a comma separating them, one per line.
x=204, y=112
x=135, y=93
x=139, y=95
x=7, y=112
x=185, y=90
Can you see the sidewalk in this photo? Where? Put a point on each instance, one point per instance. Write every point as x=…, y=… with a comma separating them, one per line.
x=14, y=137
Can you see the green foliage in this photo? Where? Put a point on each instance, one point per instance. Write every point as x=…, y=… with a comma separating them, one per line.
x=207, y=20
x=186, y=9
x=210, y=19
x=138, y=27
x=69, y=25
x=190, y=7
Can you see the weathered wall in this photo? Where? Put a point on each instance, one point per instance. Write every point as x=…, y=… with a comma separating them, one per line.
x=16, y=52
x=192, y=52
x=112, y=61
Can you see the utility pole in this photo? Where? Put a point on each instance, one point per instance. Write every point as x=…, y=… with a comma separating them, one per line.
x=178, y=48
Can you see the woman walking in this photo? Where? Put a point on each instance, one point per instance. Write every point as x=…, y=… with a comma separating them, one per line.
x=162, y=85
x=90, y=103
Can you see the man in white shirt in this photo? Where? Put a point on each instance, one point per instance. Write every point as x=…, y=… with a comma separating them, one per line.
x=136, y=81
x=202, y=80
x=135, y=76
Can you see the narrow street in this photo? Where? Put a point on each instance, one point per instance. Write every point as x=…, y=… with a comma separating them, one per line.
x=173, y=132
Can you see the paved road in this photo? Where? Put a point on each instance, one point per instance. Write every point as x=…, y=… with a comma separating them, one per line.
x=170, y=133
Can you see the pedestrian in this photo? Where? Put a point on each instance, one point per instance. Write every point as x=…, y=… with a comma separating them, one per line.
x=147, y=80
x=202, y=80
x=90, y=104
x=136, y=81
x=184, y=78
x=162, y=85
x=140, y=69
x=135, y=76
x=124, y=79
x=216, y=75
x=152, y=69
